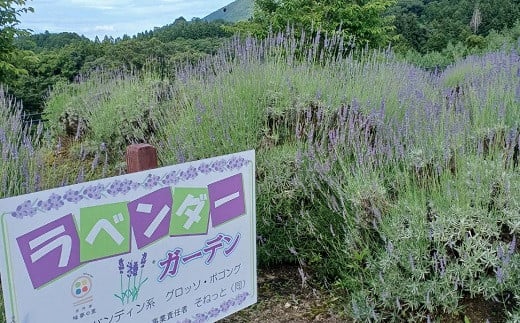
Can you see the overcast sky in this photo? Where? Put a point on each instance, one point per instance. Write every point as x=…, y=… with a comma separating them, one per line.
x=112, y=17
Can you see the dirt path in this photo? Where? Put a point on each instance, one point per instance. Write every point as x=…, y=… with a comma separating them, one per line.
x=282, y=298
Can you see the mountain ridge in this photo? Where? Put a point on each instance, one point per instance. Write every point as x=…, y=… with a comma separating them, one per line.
x=238, y=10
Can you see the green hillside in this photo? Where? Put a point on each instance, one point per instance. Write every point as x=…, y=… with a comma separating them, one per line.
x=235, y=11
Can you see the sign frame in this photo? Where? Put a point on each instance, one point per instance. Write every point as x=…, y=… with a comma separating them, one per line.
x=152, y=229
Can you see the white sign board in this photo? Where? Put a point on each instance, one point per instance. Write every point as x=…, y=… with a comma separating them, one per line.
x=174, y=244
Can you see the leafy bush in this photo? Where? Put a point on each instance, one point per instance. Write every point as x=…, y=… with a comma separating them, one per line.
x=425, y=199
x=111, y=108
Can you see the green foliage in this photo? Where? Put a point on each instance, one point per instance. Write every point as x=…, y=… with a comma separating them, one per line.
x=364, y=21
x=109, y=109
x=63, y=57
x=426, y=26
x=279, y=201
x=195, y=29
x=429, y=218
x=10, y=57
x=48, y=41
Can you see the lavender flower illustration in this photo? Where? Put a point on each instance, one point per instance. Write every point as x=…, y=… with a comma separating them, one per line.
x=53, y=202
x=170, y=178
x=130, y=293
x=204, y=168
x=24, y=209
x=151, y=181
x=122, y=187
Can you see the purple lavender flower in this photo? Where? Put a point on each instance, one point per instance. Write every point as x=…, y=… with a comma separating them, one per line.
x=500, y=275
x=170, y=178
x=192, y=173
x=218, y=166
x=512, y=246
x=241, y=298
x=183, y=175
x=200, y=318
x=181, y=158
x=135, y=268
x=500, y=252
x=129, y=269
x=23, y=210
x=204, y=168
x=95, y=162
x=236, y=163
x=151, y=181
x=72, y=196
x=214, y=312
x=442, y=263
x=94, y=191
x=81, y=176
x=224, y=307
x=143, y=259
x=119, y=187
x=121, y=266
x=232, y=163
x=333, y=137
x=53, y=202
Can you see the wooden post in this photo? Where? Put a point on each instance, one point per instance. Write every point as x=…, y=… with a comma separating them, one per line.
x=140, y=157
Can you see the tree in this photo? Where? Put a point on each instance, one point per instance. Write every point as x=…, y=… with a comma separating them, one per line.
x=364, y=20
x=427, y=26
x=476, y=19
x=10, y=56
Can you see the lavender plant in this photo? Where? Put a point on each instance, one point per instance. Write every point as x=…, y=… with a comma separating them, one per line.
x=427, y=203
x=384, y=151
x=394, y=186
x=130, y=292
x=21, y=163
x=109, y=108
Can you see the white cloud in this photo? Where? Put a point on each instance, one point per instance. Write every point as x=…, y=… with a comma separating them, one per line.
x=113, y=17
x=101, y=4
x=105, y=28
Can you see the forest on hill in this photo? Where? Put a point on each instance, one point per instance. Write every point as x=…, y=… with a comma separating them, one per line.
x=427, y=33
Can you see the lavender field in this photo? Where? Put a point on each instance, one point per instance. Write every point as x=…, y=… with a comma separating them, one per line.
x=395, y=187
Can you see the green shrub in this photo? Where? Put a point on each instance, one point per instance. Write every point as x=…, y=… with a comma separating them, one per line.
x=115, y=109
